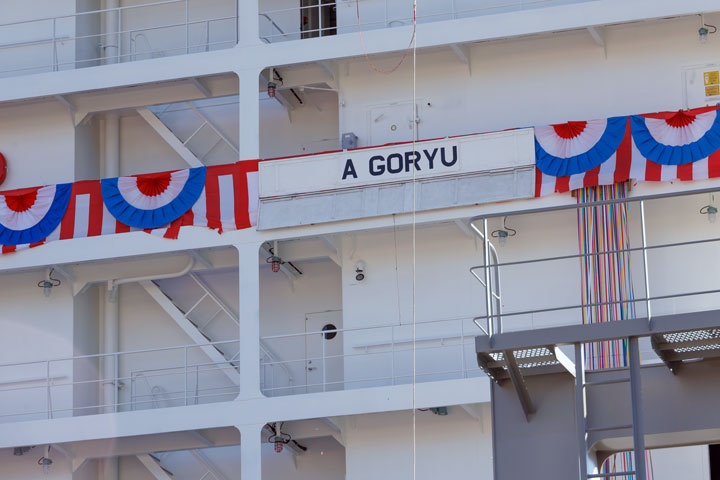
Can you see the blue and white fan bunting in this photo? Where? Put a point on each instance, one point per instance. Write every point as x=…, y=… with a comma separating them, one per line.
x=153, y=200
x=30, y=215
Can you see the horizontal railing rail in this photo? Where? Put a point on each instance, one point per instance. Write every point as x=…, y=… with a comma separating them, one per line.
x=641, y=280
x=388, y=20
x=182, y=367
x=175, y=36
x=388, y=343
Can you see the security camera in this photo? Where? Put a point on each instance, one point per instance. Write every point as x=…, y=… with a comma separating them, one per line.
x=360, y=271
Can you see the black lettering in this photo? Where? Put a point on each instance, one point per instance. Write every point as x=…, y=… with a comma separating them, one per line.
x=411, y=158
x=431, y=158
x=376, y=170
x=453, y=161
x=349, y=169
x=390, y=158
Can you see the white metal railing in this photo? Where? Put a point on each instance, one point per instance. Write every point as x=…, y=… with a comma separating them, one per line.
x=58, y=47
x=652, y=293
x=280, y=24
x=52, y=394
x=377, y=355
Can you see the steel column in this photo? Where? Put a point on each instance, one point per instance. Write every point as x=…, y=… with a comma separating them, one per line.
x=581, y=409
x=637, y=414
x=645, y=261
x=488, y=289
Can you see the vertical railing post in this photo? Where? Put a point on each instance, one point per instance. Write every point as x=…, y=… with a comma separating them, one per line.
x=392, y=351
x=646, y=277
x=462, y=349
x=197, y=384
x=132, y=392
x=320, y=25
x=185, y=349
x=119, y=33
x=116, y=389
x=47, y=387
x=54, y=47
x=187, y=26
x=324, y=368
x=488, y=288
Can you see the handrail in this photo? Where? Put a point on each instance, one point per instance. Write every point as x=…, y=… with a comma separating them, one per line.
x=115, y=38
x=92, y=12
x=522, y=4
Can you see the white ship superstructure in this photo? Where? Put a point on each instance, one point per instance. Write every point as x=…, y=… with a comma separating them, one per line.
x=317, y=239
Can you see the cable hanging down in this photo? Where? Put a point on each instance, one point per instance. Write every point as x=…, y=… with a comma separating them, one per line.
x=411, y=45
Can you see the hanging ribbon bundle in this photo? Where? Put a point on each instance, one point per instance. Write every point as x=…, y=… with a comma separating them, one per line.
x=607, y=290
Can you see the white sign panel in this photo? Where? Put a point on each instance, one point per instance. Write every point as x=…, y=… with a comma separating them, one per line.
x=397, y=163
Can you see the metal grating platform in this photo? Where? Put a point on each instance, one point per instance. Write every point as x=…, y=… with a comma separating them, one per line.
x=674, y=348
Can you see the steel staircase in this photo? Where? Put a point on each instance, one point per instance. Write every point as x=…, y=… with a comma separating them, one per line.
x=195, y=144
x=207, y=319
x=154, y=462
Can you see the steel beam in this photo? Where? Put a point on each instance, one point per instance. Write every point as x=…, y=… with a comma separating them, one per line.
x=567, y=335
x=519, y=383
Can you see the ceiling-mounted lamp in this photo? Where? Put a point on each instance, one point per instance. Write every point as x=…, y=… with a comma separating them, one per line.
x=45, y=461
x=274, y=259
x=705, y=30
x=49, y=282
x=503, y=233
x=271, y=86
x=711, y=212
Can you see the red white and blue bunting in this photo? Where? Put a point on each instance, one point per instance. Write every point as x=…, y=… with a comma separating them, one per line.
x=153, y=200
x=662, y=146
x=223, y=198
x=31, y=214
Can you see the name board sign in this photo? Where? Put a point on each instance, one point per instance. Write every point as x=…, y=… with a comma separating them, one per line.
x=397, y=163
x=400, y=162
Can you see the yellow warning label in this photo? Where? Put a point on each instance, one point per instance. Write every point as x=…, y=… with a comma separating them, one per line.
x=712, y=91
x=712, y=78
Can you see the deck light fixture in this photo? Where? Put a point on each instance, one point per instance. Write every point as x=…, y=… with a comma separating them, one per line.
x=49, y=282
x=45, y=461
x=705, y=30
x=503, y=233
x=711, y=212
x=271, y=86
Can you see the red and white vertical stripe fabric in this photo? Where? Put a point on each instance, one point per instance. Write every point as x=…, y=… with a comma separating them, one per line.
x=228, y=201
x=664, y=146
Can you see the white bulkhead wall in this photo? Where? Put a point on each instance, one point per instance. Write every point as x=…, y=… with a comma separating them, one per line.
x=38, y=142
x=452, y=446
x=527, y=82
x=35, y=327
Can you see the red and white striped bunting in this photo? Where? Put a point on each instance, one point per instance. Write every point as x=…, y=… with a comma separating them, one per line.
x=628, y=164
x=228, y=202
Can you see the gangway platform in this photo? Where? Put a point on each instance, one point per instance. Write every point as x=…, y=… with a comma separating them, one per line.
x=564, y=421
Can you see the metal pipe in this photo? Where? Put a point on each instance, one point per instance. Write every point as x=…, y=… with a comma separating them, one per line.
x=637, y=410
x=581, y=409
x=488, y=288
x=643, y=236
x=113, y=284
x=111, y=52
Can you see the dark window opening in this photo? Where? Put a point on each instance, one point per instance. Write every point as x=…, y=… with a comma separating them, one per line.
x=714, y=462
x=318, y=18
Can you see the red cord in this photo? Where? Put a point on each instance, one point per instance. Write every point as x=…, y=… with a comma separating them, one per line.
x=407, y=50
